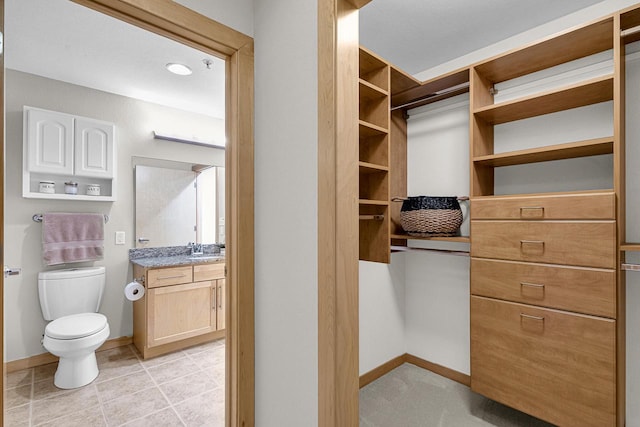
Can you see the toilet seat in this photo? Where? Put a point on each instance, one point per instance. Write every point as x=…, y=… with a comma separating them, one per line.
x=76, y=326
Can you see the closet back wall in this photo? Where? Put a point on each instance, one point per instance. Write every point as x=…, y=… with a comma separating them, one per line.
x=134, y=122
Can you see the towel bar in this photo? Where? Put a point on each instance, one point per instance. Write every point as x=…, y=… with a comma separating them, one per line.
x=38, y=218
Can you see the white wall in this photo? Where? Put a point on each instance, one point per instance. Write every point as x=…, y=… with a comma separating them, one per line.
x=134, y=122
x=237, y=14
x=286, y=210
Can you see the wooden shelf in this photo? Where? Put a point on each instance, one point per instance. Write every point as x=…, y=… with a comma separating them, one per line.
x=401, y=81
x=373, y=69
x=630, y=247
x=370, y=92
x=592, y=147
x=592, y=91
x=434, y=89
x=459, y=239
x=554, y=50
x=369, y=202
x=368, y=130
x=372, y=168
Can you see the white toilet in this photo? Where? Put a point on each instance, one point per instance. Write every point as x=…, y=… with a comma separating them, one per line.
x=71, y=299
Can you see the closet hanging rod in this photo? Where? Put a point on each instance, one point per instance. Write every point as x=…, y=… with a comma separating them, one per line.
x=442, y=251
x=38, y=218
x=631, y=267
x=461, y=88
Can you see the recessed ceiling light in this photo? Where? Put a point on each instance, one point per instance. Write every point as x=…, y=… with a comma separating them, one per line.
x=179, y=69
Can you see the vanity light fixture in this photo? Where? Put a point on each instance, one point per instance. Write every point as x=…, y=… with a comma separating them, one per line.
x=179, y=69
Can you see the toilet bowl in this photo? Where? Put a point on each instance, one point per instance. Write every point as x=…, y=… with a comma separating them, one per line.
x=70, y=299
x=74, y=339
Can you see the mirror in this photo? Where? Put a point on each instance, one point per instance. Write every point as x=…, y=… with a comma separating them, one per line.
x=177, y=203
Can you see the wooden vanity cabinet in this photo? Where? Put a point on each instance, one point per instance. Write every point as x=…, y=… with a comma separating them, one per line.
x=182, y=306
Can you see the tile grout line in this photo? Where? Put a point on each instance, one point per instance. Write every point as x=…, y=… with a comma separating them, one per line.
x=100, y=403
x=31, y=395
x=160, y=389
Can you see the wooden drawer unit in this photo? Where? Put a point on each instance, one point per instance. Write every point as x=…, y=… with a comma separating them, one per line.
x=583, y=290
x=169, y=276
x=558, y=366
x=208, y=271
x=581, y=243
x=538, y=207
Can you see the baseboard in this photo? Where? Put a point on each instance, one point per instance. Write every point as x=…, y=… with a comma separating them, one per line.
x=387, y=367
x=439, y=369
x=381, y=370
x=46, y=358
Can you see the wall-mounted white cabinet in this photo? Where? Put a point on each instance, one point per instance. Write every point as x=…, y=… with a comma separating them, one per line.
x=60, y=147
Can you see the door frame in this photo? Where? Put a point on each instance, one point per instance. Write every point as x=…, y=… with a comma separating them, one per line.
x=181, y=24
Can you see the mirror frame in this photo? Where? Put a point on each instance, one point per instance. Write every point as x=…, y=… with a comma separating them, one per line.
x=181, y=24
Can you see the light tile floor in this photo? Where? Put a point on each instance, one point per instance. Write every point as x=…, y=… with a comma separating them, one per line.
x=410, y=396
x=185, y=388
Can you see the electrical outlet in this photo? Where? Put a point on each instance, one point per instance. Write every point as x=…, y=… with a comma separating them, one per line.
x=119, y=237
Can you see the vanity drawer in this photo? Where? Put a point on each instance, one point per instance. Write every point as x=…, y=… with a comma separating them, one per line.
x=581, y=243
x=208, y=271
x=169, y=276
x=555, y=365
x=583, y=290
x=566, y=206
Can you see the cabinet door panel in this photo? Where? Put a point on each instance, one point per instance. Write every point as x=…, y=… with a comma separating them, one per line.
x=94, y=148
x=555, y=365
x=49, y=142
x=180, y=311
x=220, y=305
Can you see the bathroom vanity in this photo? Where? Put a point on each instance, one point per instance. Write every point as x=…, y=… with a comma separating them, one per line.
x=183, y=304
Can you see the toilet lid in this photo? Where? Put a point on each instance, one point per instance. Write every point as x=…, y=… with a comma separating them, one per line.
x=76, y=326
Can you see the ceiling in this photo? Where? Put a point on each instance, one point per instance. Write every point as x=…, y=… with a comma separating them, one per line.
x=61, y=40
x=64, y=41
x=416, y=35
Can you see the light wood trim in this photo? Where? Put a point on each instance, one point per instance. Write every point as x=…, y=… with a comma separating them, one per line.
x=382, y=370
x=443, y=371
x=385, y=368
x=359, y=3
x=589, y=92
x=578, y=243
x=592, y=147
x=619, y=186
x=211, y=271
x=174, y=21
x=583, y=290
x=574, y=43
x=597, y=205
x=536, y=360
x=630, y=247
x=46, y=358
x=169, y=19
x=338, y=64
x=166, y=276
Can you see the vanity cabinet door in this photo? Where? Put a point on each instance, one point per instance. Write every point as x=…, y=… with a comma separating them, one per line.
x=220, y=306
x=180, y=311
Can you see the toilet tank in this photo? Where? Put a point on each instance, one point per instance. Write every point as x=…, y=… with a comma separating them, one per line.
x=70, y=291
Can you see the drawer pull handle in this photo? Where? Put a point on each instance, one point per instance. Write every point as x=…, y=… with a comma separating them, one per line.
x=171, y=277
x=219, y=291
x=533, y=285
x=532, y=211
x=528, y=316
x=532, y=246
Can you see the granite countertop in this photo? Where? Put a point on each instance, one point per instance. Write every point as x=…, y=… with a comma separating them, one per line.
x=174, y=256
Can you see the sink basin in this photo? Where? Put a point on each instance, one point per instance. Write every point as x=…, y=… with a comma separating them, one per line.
x=205, y=257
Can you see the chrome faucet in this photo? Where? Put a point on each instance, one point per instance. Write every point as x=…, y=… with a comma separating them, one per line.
x=196, y=248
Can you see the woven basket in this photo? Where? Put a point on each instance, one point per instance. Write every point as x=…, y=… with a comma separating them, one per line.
x=425, y=216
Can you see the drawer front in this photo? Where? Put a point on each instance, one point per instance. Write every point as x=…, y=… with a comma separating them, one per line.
x=169, y=276
x=568, y=206
x=584, y=290
x=554, y=365
x=208, y=271
x=582, y=243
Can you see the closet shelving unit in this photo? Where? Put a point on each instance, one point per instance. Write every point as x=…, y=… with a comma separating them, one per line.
x=529, y=219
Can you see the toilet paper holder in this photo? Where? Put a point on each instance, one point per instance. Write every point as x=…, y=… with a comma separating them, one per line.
x=139, y=280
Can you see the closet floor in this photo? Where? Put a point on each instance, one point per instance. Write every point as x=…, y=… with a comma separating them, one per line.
x=410, y=396
x=185, y=388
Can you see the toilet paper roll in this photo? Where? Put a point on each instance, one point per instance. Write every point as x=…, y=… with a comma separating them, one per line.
x=134, y=291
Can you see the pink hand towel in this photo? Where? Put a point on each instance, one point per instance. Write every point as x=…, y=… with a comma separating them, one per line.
x=72, y=237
